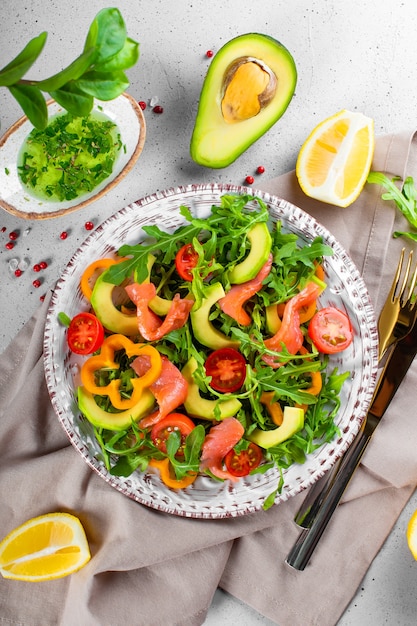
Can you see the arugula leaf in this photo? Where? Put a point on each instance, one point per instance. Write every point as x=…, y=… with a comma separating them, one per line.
x=404, y=198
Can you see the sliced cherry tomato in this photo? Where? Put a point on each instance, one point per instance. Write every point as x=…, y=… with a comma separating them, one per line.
x=243, y=462
x=185, y=260
x=85, y=334
x=330, y=330
x=227, y=367
x=172, y=422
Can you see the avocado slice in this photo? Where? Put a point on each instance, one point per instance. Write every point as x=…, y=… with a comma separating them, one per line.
x=113, y=421
x=203, y=329
x=196, y=406
x=261, y=242
x=248, y=87
x=108, y=314
x=293, y=421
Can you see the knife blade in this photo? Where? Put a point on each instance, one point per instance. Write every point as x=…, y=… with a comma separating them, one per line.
x=318, y=516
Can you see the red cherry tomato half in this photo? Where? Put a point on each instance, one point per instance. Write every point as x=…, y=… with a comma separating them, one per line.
x=227, y=367
x=172, y=422
x=243, y=462
x=85, y=334
x=185, y=260
x=330, y=330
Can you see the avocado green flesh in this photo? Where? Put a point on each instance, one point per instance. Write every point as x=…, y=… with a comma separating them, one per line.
x=204, y=331
x=196, y=406
x=216, y=143
x=261, y=243
x=292, y=423
x=104, y=308
x=113, y=421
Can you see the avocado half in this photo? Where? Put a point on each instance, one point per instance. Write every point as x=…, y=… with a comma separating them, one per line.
x=248, y=87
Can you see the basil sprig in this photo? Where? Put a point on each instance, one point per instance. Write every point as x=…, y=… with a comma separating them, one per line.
x=98, y=72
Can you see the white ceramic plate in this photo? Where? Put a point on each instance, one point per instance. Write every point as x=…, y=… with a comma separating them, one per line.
x=207, y=498
x=124, y=111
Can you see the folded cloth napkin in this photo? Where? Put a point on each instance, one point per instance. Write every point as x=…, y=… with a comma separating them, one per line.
x=152, y=569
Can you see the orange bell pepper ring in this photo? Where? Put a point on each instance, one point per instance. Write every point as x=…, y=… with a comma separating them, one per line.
x=164, y=467
x=100, y=264
x=106, y=360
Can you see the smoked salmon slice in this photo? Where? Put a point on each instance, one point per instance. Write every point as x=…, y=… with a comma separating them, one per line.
x=233, y=302
x=219, y=440
x=170, y=389
x=289, y=332
x=150, y=325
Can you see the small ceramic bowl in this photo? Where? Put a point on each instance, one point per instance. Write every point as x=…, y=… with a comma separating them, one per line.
x=124, y=111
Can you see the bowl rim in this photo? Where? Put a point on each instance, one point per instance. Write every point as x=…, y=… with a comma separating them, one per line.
x=32, y=215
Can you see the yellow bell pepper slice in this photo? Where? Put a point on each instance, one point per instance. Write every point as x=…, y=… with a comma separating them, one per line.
x=106, y=360
x=167, y=477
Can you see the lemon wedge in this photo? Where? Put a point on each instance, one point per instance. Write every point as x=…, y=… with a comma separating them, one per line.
x=335, y=160
x=412, y=534
x=44, y=548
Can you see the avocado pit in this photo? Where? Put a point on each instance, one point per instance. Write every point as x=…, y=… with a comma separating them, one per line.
x=249, y=86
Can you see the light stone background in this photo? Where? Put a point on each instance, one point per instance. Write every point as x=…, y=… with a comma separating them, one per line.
x=358, y=55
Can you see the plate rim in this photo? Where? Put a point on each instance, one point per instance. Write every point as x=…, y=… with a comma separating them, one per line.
x=285, y=205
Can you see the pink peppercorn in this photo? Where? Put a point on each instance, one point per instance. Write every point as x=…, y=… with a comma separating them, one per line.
x=260, y=169
x=249, y=180
x=209, y=54
x=63, y=235
x=13, y=235
x=36, y=267
x=142, y=105
x=89, y=226
x=43, y=265
x=158, y=109
x=36, y=283
x=9, y=245
x=18, y=272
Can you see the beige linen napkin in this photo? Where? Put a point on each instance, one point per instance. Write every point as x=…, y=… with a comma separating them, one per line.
x=152, y=569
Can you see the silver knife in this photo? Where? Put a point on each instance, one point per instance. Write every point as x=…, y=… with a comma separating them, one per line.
x=316, y=519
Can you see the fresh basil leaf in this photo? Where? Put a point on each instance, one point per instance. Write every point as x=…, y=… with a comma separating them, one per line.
x=32, y=102
x=103, y=85
x=17, y=68
x=75, y=70
x=127, y=57
x=73, y=100
x=107, y=34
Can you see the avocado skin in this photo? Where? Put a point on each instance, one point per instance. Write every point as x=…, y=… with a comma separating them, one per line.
x=214, y=142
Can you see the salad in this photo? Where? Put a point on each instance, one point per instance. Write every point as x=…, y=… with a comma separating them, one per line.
x=207, y=350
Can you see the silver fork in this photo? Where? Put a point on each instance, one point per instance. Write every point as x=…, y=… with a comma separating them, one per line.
x=396, y=320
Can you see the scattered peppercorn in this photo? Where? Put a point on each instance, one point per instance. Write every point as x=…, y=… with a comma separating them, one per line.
x=13, y=235
x=260, y=169
x=36, y=267
x=9, y=245
x=63, y=235
x=209, y=54
x=18, y=272
x=249, y=180
x=158, y=109
x=142, y=105
x=89, y=226
x=43, y=265
x=36, y=283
